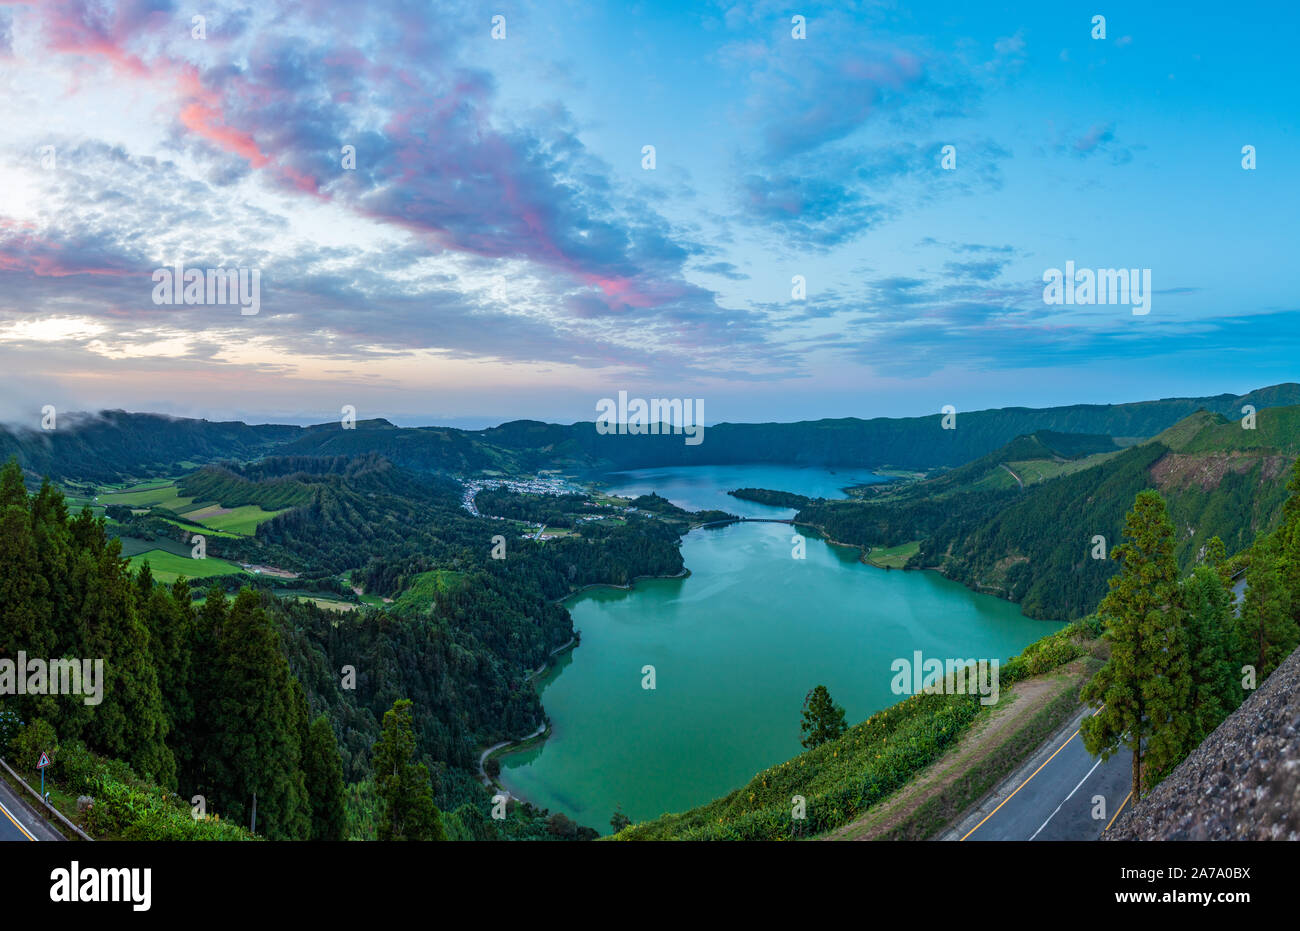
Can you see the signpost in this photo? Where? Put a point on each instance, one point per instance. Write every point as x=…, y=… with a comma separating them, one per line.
x=44, y=762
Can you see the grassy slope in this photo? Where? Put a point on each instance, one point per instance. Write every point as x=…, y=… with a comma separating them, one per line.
x=167, y=567
x=426, y=587
x=994, y=746
x=242, y=520
x=893, y=557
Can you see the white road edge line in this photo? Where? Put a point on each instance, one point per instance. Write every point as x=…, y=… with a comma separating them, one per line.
x=1064, y=800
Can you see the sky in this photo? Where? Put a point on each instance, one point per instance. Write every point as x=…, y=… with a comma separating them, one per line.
x=498, y=244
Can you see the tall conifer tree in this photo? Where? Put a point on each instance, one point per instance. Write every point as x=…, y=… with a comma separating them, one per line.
x=1145, y=688
x=406, y=804
x=323, y=770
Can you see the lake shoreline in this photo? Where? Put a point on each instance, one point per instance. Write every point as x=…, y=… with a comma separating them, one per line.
x=507, y=747
x=543, y=730
x=547, y=797
x=685, y=573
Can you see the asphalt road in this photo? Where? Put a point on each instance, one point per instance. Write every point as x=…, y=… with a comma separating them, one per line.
x=1052, y=796
x=18, y=822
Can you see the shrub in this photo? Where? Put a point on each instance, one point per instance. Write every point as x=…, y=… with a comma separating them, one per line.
x=128, y=808
x=30, y=742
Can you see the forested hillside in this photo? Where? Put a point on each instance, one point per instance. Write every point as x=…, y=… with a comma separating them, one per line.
x=214, y=688
x=1037, y=545
x=471, y=604
x=201, y=701
x=114, y=445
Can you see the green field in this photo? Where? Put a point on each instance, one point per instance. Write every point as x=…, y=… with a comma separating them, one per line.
x=1037, y=470
x=893, y=557
x=1033, y=471
x=148, y=495
x=329, y=604
x=167, y=567
x=200, y=528
x=240, y=521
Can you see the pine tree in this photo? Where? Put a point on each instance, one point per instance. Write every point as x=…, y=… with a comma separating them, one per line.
x=169, y=631
x=1287, y=538
x=54, y=554
x=194, y=743
x=823, y=720
x=323, y=769
x=406, y=809
x=25, y=611
x=1146, y=686
x=1266, y=630
x=131, y=721
x=254, y=718
x=1215, y=690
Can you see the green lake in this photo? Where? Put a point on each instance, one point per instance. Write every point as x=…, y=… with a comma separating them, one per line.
x=735, y=647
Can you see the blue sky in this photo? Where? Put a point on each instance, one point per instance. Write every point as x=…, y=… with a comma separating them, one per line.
x=499, y=250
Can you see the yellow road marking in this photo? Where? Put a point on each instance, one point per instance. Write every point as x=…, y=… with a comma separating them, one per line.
x=15, y=821
x=1117, y=811
x=1022, y=785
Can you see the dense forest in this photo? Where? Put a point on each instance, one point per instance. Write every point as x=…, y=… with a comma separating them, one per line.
x=200, y=701
x=204, y=686
x=780, y=499
x=551, y=510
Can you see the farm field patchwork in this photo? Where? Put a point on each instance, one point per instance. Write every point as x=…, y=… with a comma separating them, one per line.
x=242, y=521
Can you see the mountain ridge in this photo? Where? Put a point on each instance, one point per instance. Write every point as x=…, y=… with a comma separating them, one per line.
x=113, y=445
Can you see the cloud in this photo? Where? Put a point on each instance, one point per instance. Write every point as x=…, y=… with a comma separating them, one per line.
x=978, y=271
x=809, y=211
x=723, y=269
x=448, y=192
x=1098, y=139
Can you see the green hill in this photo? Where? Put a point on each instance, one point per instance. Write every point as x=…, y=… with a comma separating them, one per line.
x=1051, y=453
x=116, y=446
x=1035, y=545
x=1217, y=478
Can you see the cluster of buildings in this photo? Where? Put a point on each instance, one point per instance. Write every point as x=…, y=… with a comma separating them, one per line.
x=540, y=485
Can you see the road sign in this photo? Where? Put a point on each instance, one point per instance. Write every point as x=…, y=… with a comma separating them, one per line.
x=45, y=761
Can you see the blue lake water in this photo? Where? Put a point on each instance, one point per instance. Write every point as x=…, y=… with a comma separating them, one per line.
x=705, y=487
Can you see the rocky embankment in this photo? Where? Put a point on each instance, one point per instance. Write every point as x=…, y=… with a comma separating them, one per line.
x=1242, y=783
